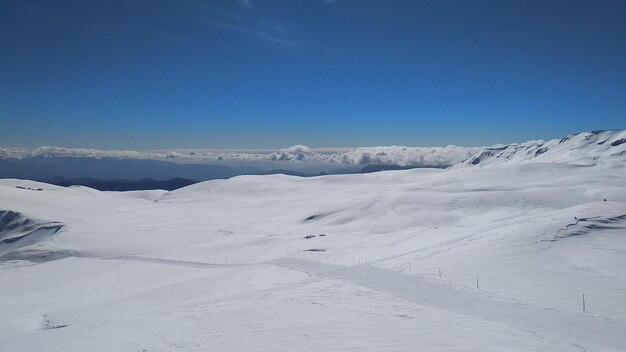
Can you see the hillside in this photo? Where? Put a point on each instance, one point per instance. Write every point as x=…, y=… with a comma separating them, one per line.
x=587, y=148
x=468, y=258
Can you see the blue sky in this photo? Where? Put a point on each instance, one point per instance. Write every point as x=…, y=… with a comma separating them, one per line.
x=269, y=74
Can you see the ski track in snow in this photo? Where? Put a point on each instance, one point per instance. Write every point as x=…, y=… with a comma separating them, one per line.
x=582, y=329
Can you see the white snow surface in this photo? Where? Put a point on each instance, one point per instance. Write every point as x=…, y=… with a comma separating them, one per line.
x=475, y=258
x=579, y=148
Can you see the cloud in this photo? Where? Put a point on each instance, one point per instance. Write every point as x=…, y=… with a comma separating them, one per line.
x=260, y=29
x=246, y=3
x=274, y=32
x=408, y=156
x=249, y=23
x=389, y=155
x=298, y=148
x=238, y=16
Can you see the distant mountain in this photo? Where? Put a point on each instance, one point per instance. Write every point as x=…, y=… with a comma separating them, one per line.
x=111, y=174
x=387, y=167
x=178, y=182
x=122, y=184
x=44, y=168
x=586, y=148
x=292, y=173
x=144, y=183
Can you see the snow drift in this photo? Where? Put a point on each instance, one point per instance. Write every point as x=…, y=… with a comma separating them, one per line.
x=17, y=231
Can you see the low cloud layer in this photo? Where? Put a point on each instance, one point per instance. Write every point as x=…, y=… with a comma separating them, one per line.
x=389, y=155
x=407, y=156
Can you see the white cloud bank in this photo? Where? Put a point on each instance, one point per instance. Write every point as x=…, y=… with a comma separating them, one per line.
x=389, y=155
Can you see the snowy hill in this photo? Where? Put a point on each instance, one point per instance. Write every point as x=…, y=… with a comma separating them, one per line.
x=585, y=148
x=469, y=258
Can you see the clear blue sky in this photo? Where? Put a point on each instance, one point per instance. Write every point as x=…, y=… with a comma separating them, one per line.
x=263, y=74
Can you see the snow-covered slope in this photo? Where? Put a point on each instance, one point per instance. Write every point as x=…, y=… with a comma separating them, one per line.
x=468, y=259
x=586, y=148
x=17, y=231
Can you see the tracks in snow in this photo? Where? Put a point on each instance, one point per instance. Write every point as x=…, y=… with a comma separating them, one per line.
x=581, y=329
x=174, y=262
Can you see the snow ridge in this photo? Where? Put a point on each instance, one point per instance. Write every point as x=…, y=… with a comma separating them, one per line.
x=17, y=231
x=586, y=148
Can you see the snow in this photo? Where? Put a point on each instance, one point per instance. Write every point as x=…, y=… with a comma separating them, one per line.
x=392, y=261
x=582, y=148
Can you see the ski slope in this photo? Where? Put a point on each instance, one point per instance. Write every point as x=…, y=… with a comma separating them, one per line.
x=489, y=256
